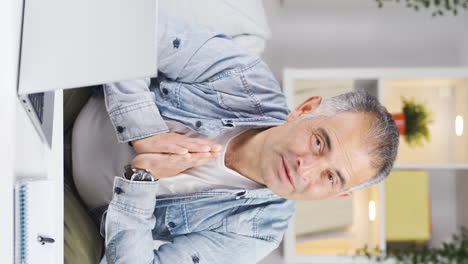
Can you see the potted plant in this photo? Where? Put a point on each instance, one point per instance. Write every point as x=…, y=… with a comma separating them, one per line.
x=451, y=252
x=413, y=122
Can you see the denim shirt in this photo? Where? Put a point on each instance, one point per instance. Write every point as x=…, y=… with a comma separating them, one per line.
x=205, y=81
x=209, y=84
x=217, y=226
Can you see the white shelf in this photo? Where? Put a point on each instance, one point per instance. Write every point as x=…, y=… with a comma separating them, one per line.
x=372, y=80
x=362, y=231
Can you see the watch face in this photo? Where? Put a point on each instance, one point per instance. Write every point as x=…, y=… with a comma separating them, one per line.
x=141, y=175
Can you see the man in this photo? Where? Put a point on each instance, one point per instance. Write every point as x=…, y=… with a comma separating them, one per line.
x=230, y=113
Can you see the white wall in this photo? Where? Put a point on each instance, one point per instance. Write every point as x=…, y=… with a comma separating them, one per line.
x=465, y=45
x=444, y=205
x=10, y=21
x=355, y=33
x=462, y=197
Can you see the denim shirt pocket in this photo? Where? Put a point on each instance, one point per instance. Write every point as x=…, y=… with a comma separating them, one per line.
x=235, y=95
x=245, y=221
x=197, y=98
x=266, y=221
x=186, y=218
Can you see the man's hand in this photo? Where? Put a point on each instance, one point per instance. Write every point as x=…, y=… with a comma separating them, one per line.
x=167, y=165
x=174, y=143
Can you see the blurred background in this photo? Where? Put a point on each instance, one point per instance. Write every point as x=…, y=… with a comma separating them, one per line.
x=415, y=62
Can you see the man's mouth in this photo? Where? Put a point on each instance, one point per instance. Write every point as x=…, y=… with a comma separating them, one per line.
x=287, y=174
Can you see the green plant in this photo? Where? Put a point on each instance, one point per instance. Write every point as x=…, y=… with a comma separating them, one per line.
x=437, y=7
x=417, y=118
x=451, y=252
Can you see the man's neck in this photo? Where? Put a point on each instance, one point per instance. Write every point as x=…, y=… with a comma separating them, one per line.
x=243, y=154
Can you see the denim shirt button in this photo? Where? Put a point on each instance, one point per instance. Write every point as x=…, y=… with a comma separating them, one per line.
x=198, y=124
x=118, y=190
x=229, y=123
x=176, y=43
x=195, y=259
x=120, y=129
x=172, y=224
x=240, y=195
x=165, y=91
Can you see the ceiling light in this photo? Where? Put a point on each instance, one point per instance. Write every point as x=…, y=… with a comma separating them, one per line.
x=372, y=211
x=459, y=125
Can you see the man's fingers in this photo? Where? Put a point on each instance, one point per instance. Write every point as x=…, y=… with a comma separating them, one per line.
x=214, y=147
x=175, y=149
x=142, y=161
x=199, y=159
x=174, y=143
x=195, y=147
x=165, y=147
x=167, y=165
x=194, y=157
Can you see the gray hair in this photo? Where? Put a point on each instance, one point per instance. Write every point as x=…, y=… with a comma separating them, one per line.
x=383, y=134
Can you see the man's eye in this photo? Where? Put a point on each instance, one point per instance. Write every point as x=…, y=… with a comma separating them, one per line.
x=318, y=143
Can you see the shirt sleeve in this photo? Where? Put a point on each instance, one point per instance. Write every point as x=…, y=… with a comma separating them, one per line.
x=129, y=222
x=132, y=109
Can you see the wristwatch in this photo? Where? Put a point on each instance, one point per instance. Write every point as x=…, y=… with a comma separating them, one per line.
x=133, y=174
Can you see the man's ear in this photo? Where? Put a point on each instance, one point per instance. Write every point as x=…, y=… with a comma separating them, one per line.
x=344, y=194
x=305, y=107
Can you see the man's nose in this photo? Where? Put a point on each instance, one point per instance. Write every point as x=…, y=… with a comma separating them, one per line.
x=307, y=167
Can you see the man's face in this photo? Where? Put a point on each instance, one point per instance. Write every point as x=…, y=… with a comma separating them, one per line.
x=319, y=157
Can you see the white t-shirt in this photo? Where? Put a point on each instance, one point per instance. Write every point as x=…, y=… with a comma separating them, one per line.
x=98, y=157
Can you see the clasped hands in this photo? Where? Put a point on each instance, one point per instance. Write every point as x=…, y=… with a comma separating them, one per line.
x=169, y=154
